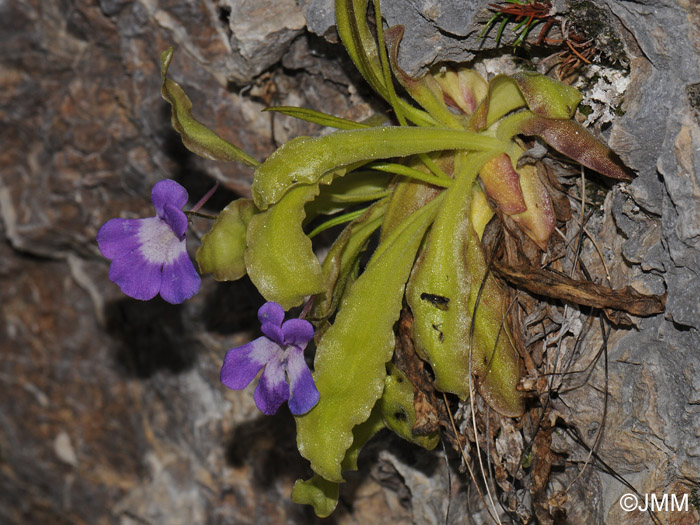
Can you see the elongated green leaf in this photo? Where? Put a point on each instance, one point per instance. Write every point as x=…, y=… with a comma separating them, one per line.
x=425, y=90
x=279, y=257
x=305, y=160
x=321, y=494
x=196, y=136
x=309, y=115
x=438, y=290
x=351, y=23
x=546, y=96
x=351, y=355
x=398, y=410
x=442, y=293
x=410, y=195
x=494, y=358
x=223, y=247
x=361, y=186
x=341, y=258
x=503, y=97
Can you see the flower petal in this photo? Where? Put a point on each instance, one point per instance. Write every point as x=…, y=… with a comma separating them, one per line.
x=180, y=280
x=176, y=219
x=304, y=394
x=271, y=312
x=159, y=245
x=272, y=389
x=274, y=332
x=242, y=364
x=118, y=237
x=136, y=276
x=168, y=192
x=297, y=332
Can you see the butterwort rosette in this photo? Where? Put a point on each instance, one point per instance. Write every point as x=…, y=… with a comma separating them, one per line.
x=149, y=256
x=280, y=351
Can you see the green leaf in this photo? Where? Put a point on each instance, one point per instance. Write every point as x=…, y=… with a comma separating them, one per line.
x=438, y=289
x=305, y=160
x=425, y=90
x=341, y=258
x=361, y=186
x=223, y=247
x=351, y=355
x=309, y=115
x=361, y=434
x=503, y=97
x=354, y=32
x=398, y=410
x=442, y=293
x=321, y=494
x=494, y=358
x=279, y=257
x=546, y=96
x=196, y=136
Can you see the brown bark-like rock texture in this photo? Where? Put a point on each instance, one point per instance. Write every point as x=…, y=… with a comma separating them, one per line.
x=112, y=410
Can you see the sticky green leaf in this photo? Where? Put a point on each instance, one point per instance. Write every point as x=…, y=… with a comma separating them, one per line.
x=323, y=119
x=546, y=96
x=494, y=358
x=223, y=247
x=279, y=257
x=351, y=355
x=305, y=160
x=442, y=293
x=341, y=258
x=425, y=90
x=361, y=186
x=196, y=136
x=321, y=494
x=438, y=289
x=353, y=29
x=361, y=434
x=398, y=410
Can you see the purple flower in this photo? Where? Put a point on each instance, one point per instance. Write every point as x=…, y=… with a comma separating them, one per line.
x=281, y=352
x=149, y=256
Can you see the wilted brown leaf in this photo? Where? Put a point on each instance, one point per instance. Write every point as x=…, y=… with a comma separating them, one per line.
x=559, y=286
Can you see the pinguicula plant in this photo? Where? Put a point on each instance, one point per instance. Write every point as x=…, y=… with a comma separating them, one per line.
x=415, y=196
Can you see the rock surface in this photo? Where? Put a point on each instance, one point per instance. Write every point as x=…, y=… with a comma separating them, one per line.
x=112, y=408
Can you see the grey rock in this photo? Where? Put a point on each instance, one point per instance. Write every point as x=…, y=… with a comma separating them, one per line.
x=260, y=31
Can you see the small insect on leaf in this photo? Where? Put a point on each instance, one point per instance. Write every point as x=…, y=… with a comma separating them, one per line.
x=438, y=301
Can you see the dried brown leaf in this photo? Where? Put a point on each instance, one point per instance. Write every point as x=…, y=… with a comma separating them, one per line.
x=556, y=285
